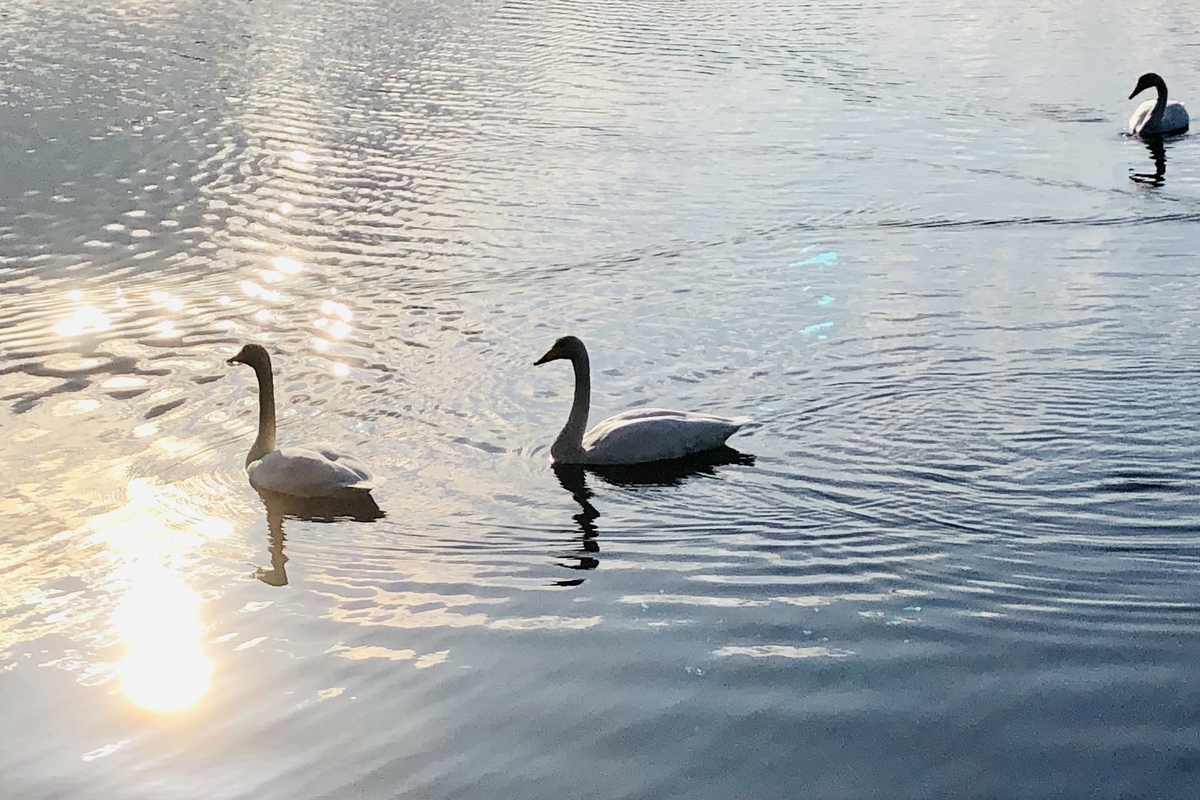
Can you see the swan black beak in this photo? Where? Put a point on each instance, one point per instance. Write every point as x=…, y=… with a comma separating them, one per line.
x=234, y=360
x=551, y=355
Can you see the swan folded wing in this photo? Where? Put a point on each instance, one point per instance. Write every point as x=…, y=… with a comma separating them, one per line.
x=1175, y=118
x=347, y=460
x=1141, y=116
x=656, y=434
x=312, y=471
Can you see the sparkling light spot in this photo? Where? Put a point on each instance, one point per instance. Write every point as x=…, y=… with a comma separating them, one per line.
x=372, y=651
x=254, y=290
x=87, y=319
x=108, y=749
x=288, y=266
x=826, y=259
x=432, y=659
x=781, y=651
x=334, y=308
x=123, y=382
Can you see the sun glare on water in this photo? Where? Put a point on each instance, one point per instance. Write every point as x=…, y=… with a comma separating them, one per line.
x=158, y=617
x=164, y=668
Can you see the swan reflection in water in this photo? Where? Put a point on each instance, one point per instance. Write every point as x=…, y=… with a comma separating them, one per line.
x=573, y=478
x=362, y=508
x=1158, y=155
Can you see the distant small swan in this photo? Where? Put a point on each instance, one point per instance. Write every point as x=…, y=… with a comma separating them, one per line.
x=1157, y=117
x=631, y=437
x=315, y=470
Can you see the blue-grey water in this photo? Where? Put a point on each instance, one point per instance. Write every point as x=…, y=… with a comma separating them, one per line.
x=956, y=555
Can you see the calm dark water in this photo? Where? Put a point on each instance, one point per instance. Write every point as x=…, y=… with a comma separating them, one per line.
x=956, y=556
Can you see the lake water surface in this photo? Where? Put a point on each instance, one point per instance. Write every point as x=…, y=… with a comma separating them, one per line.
x=956, y=555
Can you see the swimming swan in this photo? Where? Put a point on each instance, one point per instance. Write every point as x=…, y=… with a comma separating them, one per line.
x=315, y=470
x=1156, y=117
x=631, y=437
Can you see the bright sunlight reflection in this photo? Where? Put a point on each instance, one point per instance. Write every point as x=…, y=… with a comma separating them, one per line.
x=87, y=319
x=164, y=668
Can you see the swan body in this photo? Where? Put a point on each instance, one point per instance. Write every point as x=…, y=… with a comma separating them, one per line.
x=1157, y=117
x=638, y=436
x=315, y=470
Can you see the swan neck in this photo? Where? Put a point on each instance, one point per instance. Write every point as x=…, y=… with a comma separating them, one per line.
x=570, y=441
x=265, y=442
x=1160, y=104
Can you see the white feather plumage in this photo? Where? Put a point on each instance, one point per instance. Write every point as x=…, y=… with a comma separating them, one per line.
x=308, y=471
x=637, y=436
x=1157, y=117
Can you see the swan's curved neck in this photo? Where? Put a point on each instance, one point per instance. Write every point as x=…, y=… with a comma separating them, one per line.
x=1160, y=105
x=265, y=442
x=570, y=441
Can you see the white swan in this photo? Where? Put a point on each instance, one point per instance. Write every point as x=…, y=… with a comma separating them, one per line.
x=1157, y=117
x=315, y=470
x=631, y=437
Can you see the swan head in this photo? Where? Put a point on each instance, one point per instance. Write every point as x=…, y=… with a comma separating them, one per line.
x=568, y=347
x=1150, y=79
x=254, y=355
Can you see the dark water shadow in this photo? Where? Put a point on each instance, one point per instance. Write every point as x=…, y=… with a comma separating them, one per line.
x=671, y=473
x=1138, y=482
x=1158, y=156
x=281, y=506
x=574, y=478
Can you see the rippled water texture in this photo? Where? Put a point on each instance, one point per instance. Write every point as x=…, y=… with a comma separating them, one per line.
x=955, y=556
